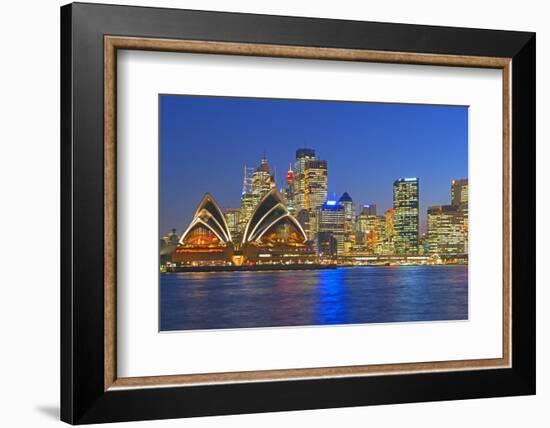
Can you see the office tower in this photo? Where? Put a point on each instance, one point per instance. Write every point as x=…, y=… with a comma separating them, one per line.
x=459, y=192
x=330, y=218
x=389, y=238
x=405, y=216
x=308, y=221
x=372, y=229
x=256, y=184
x=315, y=184
x=248, y=199
x=368, y=209
x=349, y=220
x=327, y=246
x=446, y=230
x=459, y=198
x=262, y=181
x=232, y=218
x=289, y=191
x=302, y=156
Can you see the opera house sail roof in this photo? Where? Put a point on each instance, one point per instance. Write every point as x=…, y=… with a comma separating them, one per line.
x=272, y=235
x=208, y=226
x=271, y=215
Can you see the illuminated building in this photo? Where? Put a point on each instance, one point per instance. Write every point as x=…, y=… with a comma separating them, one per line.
x=302, y=156
x=262, y=180
x=308, y=221
x=349, y=218
x=289, y=191
x=315, y=184
x=369, y=209
x=167, y=246
x=388, y=245
x=372, y=229
x=310, y=180
x=256, y=183
x=459, y=192
x=207, y=240
x=273, y=235
x=446, y=230
x=232, y=218
x=459, y=198
x=405, y=216
x=327, y=246
x=330, y=218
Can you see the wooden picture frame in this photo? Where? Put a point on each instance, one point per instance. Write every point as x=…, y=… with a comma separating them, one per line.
x=91, y=390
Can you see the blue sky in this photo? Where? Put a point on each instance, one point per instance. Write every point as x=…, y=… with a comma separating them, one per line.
x=206, y=141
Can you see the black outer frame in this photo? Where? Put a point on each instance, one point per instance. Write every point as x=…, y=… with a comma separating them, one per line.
x=83, y=399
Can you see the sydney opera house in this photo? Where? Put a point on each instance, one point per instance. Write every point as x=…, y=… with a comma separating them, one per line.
x=272, y=235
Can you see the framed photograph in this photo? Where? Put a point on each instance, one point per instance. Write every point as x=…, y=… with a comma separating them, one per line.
x=266, y=213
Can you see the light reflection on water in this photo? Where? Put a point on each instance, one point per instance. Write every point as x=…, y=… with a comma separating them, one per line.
x=354, y=295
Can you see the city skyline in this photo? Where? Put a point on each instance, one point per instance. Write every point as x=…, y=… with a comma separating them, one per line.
x=189, y=121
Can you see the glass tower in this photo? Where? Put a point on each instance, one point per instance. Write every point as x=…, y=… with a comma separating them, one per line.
x=405, y=216
x=302, y=156
x=331, y=222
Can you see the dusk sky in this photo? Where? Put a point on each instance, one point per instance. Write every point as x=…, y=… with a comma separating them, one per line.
x=206, y=141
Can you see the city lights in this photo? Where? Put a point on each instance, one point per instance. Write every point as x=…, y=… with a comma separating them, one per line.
x=299, y=224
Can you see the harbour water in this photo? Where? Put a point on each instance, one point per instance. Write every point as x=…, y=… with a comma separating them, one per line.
x=347, y=295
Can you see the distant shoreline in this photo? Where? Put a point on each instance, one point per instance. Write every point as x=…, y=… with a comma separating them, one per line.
x=263, y=268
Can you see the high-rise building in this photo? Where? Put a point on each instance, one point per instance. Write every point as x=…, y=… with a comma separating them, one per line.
x=327, y=246
x=302, y=156
x=232, y=218
x=459, y=198
x=459, y=192
x=349, y=219
x=330, y=220
x=315, y=184
x=304, y=217
x=446, y=230
x=405, y=216
x=389, y=239
x=262, y=180
x=368, y=209
x=256, y=184
x=289, y=191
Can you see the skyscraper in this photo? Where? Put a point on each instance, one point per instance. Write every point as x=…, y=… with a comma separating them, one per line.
x=289, y=191
x=389, y=239
x=369, y=209
x=302, y=156
x=405, y=216
x=446, y=230
x=262, y=180
x=459, y=192
x=256, y=184
x=315, y=184
x=459, y=198
x=330, y=220
x=349, y=219
x=232, y=218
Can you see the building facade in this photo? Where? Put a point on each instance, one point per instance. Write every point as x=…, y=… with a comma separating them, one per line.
x=459, y=192
x=257, y=182
x=406, y=215
x=232, y=217
x=349, y=220
x=302, y=156
x=459, y=198
x=330, y=220
x=446, y=235
x=315, y=184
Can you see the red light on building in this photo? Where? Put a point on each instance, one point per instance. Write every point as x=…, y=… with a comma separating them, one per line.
x=290, y=175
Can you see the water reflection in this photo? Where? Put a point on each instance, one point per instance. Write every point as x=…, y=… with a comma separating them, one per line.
x=291, y=298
